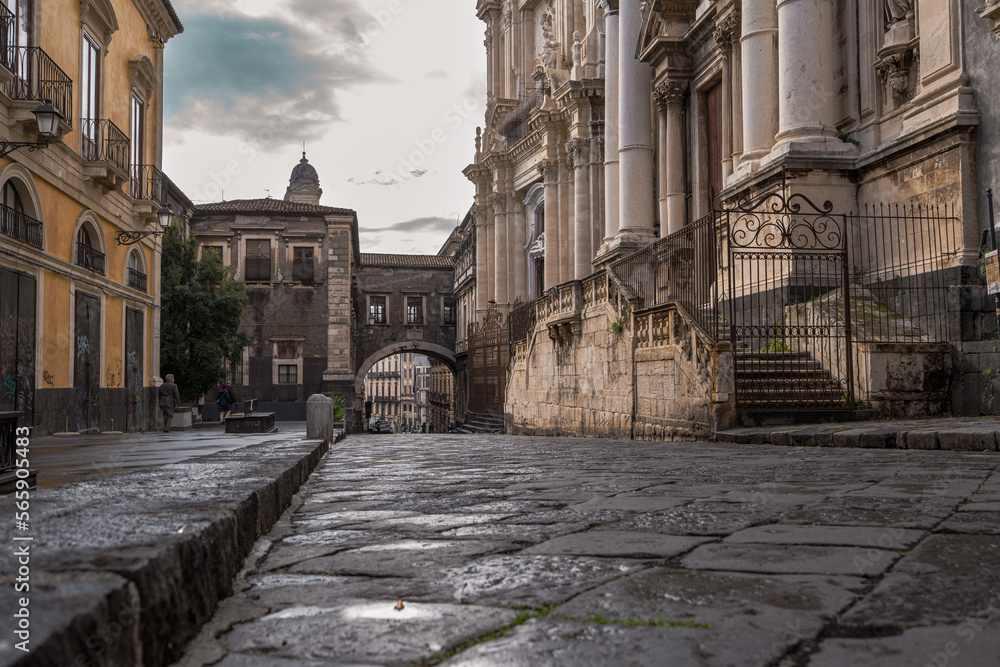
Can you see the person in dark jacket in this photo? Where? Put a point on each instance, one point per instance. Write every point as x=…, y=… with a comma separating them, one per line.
x=225, y=401
x=170, y=400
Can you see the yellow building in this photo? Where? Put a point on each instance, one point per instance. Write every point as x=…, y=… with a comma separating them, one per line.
x=79, y=311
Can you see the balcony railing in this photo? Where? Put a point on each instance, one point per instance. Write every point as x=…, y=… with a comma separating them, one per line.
x=103, y=141
x=137, y=280
x=90, y=258
x=20, y=227
x=37, y=78
x=148, y=183
x=8, y=36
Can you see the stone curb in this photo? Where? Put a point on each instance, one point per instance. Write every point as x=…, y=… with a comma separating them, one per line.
x=973, y=437
x=126, y=570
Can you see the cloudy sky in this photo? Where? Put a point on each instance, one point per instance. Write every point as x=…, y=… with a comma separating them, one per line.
x=386, y=94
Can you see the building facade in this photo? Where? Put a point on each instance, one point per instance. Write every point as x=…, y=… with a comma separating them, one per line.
x=298, y=260
x=613, y=124
x=79, y=310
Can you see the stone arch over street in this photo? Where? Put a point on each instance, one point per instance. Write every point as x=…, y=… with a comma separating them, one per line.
x=442, y=354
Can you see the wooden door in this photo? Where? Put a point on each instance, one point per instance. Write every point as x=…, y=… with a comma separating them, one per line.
x=87, y=365
x=17, y=345
x=134, y=331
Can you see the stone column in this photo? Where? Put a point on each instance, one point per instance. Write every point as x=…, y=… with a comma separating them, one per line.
x=579, y=150
x=519, y=281
x=724, y=38
x=805, y=71
x=596, y=195
x=671, y=94
x=611, y=116
x=662, y=156
x=499, y=202
x=566, y=214
x=737, y=99
x=758, y=44
x=549, y=176
x=635, y=152
x=491, y=260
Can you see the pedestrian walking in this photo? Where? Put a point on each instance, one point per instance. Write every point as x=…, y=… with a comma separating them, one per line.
x=225, y=401
x=170, y=400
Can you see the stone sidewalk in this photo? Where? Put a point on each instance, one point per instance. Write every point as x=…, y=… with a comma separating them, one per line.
x=961, y=434
x=497, y=550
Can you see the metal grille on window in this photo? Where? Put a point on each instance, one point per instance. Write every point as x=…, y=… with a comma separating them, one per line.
x=258, y=261
x=414, y=310
x=376, y=310
x=303, y=265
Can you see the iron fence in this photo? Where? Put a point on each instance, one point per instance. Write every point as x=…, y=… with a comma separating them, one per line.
x=20, y=227
x=521, y=321
x=103, y=141
x=489, y=354
x=804, y=294
x=8, y=439
x=680, y=268
x=37, y=77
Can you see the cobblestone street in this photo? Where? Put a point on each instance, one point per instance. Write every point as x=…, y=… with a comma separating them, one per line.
x=537, y=551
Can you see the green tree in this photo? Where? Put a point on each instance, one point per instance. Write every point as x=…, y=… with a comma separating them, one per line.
x=202, y=305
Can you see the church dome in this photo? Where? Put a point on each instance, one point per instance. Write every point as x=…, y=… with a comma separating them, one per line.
x=303, y=186
x=304, y=173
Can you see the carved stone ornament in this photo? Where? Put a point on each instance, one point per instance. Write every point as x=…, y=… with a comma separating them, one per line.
x=578, y=151
x=671, y=90
x=991, y=12
x=894, y=71
x=727, y=31
x=547, y=169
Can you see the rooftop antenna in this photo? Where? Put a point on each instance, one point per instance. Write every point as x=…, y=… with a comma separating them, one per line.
x=268, y=193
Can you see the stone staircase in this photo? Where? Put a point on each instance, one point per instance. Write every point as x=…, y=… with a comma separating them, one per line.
x=476, y=422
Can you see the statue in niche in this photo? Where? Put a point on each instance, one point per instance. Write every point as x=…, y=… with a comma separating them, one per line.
x=897, y=10
x=550, y=47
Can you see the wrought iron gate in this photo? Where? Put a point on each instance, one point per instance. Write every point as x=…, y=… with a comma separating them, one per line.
x=17, y=345
x=789, y=304
x=489, y=352
x=87, y=361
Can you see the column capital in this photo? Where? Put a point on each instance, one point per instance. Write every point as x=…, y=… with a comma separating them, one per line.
x=609, y=6
x=547, y=168
x=578, y=151
x=671, y=91
x=497, y=201
x=727, y=30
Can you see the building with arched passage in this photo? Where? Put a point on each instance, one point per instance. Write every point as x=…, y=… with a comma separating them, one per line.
x=79, y=312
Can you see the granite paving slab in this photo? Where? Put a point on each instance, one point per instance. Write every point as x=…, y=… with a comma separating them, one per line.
x=547, y=551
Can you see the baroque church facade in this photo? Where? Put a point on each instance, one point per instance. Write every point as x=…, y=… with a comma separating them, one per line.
x=615, y=126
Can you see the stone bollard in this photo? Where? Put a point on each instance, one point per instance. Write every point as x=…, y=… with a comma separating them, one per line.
x=319, y=418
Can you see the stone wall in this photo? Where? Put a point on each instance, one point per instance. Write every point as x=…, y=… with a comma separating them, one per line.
x=592, y=368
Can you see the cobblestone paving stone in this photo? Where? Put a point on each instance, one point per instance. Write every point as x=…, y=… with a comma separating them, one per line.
x=542, y=551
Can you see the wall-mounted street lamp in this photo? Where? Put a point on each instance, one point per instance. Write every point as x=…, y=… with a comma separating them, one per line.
x=166, y=218
x=47, y=117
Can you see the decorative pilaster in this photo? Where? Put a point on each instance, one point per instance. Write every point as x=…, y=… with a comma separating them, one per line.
x=579, y=152
x=724, y=33
x=670, y=95
x=549, y=171
x=498, y=201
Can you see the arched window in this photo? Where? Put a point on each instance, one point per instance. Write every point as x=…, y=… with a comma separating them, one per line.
x=15, y=219
x=135, y=276
x=87, y=254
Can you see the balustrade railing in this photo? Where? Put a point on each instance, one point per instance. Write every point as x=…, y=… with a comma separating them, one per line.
x=8, y=36
x=37, y=77
x=90, y=258
x=137, y=280
x=20, y=227
x=148, y=183
x=103, y=141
